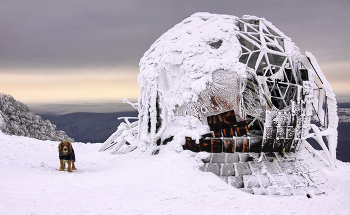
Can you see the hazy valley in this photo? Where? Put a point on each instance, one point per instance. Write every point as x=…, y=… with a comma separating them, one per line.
x=88, y=127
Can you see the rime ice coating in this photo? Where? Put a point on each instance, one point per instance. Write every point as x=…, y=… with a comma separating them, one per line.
x=193, y=71
x=210, y=64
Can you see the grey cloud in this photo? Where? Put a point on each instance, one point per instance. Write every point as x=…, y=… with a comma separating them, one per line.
x=88, y=33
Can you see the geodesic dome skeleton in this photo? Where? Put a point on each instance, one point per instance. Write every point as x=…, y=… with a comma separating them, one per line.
x=220, y=83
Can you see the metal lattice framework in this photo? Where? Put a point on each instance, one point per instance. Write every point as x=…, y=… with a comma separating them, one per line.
x=265, y=51
x=296, y=85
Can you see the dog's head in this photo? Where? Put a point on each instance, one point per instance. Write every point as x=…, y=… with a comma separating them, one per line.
x=65, y=148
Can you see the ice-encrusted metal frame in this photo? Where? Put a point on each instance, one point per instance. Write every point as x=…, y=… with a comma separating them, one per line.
x=302, y=96
x=300, y=103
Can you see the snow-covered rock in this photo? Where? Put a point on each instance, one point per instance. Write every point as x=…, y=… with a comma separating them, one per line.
x=17, y=119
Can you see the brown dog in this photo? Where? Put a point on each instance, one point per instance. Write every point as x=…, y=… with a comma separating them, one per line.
x=66, y=155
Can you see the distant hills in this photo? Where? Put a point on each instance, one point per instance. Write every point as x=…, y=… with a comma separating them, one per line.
x=97, y=127
x=89, y=127
x=343, y=105
x=343, y=149
x=81, y=107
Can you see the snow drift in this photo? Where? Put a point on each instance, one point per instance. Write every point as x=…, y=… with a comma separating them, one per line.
x=135, y=183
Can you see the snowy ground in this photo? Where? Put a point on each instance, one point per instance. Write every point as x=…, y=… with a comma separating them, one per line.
x=168, y=183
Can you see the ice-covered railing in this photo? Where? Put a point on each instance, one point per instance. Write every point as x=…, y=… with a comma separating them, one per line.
x=210, y=64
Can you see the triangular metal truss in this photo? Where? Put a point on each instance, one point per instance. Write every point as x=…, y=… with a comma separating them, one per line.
x=263, y=50
x=290, y=84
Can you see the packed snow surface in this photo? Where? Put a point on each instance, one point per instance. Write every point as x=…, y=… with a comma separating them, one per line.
x=136, y=183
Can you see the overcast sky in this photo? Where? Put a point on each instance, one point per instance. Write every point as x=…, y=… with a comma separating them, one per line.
x=75, y=51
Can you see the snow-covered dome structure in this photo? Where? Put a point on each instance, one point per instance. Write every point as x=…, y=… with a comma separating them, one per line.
x=219, y=83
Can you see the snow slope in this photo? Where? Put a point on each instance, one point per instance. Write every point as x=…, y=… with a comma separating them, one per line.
x=167, y=183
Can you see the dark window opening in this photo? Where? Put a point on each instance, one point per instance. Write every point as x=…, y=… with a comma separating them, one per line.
x=228, y=135
x=216, y=45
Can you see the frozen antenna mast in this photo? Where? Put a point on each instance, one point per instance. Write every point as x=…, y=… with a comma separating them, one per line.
x=223, y=84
